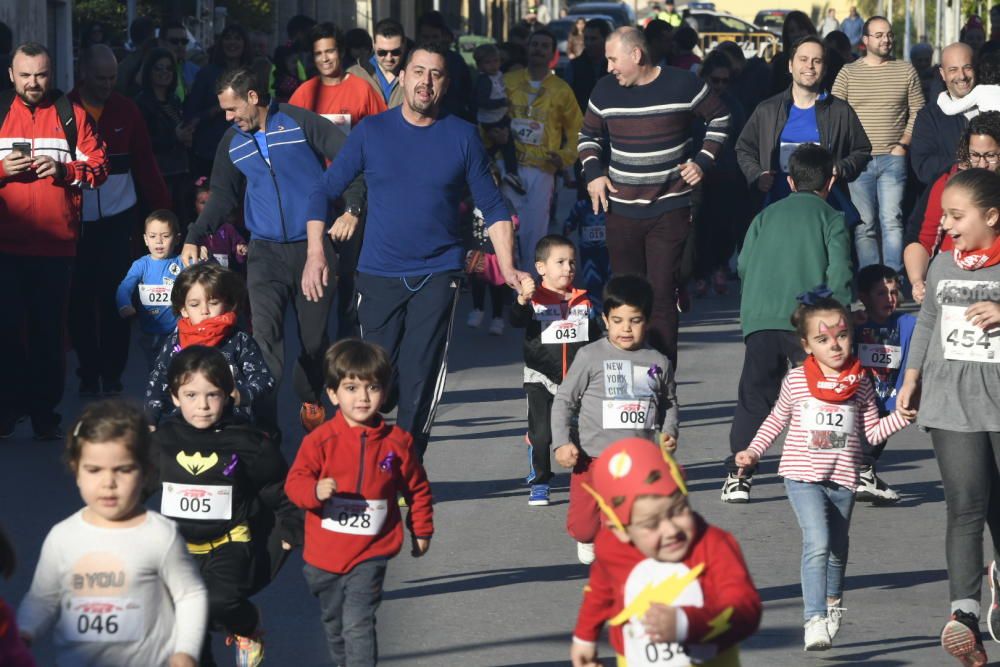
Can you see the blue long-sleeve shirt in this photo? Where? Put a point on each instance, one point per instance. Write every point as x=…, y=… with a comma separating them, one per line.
x=155, y=314
x=416, y=178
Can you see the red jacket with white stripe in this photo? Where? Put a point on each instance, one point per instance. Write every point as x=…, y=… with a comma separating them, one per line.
x=41, y=217
x=370, y=464
x=132, y=167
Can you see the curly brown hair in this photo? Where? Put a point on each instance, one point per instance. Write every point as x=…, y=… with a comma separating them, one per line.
x=986, y=123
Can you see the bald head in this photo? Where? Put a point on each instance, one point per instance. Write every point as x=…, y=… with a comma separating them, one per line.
x=956, y=69
x=98, y=73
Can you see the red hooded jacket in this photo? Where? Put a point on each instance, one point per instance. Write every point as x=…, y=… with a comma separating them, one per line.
x=41, y=217
x=368, y=463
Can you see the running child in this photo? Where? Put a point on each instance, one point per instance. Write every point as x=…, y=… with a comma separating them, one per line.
x=225, y=244
x=151, y=278
x=617, y=387
x=114, y=579
x=953, y=369
x=654, y=535
x=223, y=483
x=881, y=344
x=558, y=319
x=346, y=476
x=481, y=265
x=829, y=406
x=206, y=297
x=492, y=108
x=595, y=262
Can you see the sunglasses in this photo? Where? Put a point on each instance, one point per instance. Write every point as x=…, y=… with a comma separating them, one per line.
x=180, y=41
x=382, y=53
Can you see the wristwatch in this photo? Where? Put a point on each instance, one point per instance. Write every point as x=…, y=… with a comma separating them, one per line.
x=354, y=210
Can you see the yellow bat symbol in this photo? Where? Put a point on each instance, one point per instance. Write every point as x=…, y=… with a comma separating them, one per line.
x=196, y=463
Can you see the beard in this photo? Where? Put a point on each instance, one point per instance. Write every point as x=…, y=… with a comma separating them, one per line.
x=31, y=97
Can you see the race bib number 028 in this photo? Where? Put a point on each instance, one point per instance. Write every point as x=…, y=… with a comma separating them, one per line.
x=199, y=502
x=101, y=619
x=155, y=295
x=355, y=516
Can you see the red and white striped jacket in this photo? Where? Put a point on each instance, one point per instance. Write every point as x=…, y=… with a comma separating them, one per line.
x=41, y=217
x=812, y=454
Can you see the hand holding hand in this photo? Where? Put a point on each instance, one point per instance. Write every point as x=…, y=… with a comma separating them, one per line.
x=241, y=249
x=691, y=173
x=919, y=290
x=528, y=288
x=746, y=459
x=668, y=443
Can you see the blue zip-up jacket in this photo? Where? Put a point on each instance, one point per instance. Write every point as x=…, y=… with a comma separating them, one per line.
x=158, y=319
x=275, y=193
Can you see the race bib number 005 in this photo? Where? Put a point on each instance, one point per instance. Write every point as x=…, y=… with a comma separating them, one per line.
x=880, y=356
x=155, y=295
x=198, y=502
x=101, y=619
x=354, y=516
x=961, y=341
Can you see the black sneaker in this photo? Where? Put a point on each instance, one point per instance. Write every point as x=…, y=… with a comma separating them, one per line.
x=993, y=616
x=90, y=388
x=960, y=638
x=736, y=490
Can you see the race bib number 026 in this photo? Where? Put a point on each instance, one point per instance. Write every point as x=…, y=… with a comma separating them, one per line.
x=354, y=516
x=155, y=295
x=101, y=619
x=199, y=502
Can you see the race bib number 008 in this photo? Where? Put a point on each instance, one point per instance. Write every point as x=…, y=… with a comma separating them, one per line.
x=101, y=619
x=355, y=516
x=630, y=413
x=155, y=295
x=961, y=341
x=198, y=502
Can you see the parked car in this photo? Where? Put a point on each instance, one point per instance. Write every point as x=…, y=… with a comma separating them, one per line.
x=621, y=13
x=714, y=27
x=772, y=20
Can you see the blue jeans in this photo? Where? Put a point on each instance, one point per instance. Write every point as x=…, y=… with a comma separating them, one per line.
x=823, y=510
x=347, y=603
x=878, y=195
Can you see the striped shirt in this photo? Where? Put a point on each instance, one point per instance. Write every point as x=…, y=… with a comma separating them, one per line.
x=646, y=133
x=814, y=455
x=886, y=98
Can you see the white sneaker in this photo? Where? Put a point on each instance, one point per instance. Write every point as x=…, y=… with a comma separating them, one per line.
x=817, y=634
x=736, y=489
x=496, y=326
x=834, y=615
x=475, y=318
x=585, y=552
x=871, y=488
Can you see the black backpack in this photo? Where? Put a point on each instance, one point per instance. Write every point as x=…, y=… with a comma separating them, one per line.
x=63, y=107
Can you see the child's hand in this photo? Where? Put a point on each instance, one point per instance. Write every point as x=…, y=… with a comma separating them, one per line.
x=746, y=459
x=567, y=455
x=660, y=622
x=420, y=546
x=182, y=660
x=527, y=290
x=908, y=399
x=126, y=312
x=241, y=249
x=325, y=488
x=583, y=655
x=286, y=546
x=985, y=314
x=668, y=443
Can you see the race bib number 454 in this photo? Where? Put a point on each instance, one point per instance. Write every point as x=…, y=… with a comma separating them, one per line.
x=101, y=619
x=961, y=341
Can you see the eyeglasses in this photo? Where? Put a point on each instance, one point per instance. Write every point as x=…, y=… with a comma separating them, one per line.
x=178, y=41
x=395, y=53
x=989, y=158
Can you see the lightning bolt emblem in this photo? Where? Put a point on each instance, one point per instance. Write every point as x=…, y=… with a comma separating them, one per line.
x=664, y=592
x=719, y=624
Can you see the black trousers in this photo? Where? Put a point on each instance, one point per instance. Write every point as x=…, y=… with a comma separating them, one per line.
x=274, y=280
x=412, y=319
x=32, y=359
x=766, y=360
x=540, y=430
x=228, y=572
x=99, y=335
x=347, y=268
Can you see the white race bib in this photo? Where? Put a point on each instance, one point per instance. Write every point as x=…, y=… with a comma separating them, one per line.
x=196, y=501
x=565, y=331
x=880, y=356
x=629, y=413
x=593, y=234
x=647, y=576
x=527, y=131
x=354, y=516
x=341, y=120
x=101, y=619
x=153, y=296
x=641, y=652
x=222, y=259
x=829, y=424
x=961, y=341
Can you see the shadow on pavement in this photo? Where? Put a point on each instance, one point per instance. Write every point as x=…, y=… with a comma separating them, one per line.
x=414, y=657
x=461, y=582
x=882, y=580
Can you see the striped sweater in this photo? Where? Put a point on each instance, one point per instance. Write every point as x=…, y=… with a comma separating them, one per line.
x=886, y=98
x=646, y=132
x=819, y=455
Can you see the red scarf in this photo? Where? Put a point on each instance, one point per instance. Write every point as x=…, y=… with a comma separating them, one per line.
x=208, y=332
x=978, y=259
x=832, y=391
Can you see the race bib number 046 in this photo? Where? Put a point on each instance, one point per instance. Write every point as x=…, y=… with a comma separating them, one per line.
x=355, y=516
x=101, y=619
x=198, y=502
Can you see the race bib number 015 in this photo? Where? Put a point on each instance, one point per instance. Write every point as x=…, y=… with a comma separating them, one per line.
x=961, y=341
x=880, y=356
x=198, y=502
x=155, y=295
x=101, y=619
x=629, y=413
x=355, y=516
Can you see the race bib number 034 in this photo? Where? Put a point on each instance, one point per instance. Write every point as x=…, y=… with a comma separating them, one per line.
x=194, y=501
x=961, y=341
x=354, y=516
x=155, y=295
x=641, y=652
x=101, y=619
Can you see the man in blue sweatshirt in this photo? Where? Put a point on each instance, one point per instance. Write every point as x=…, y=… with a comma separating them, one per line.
x=417, y=162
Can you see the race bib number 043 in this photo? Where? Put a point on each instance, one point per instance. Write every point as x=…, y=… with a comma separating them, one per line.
x=198, y=502
x=101, y=619
x=354, y=516
x=565, y=331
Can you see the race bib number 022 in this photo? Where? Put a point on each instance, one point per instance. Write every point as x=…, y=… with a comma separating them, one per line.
x=155, y=295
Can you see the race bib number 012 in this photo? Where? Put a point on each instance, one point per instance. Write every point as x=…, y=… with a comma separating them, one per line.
x=101, y=619
x=961, y=341
x=880, y=356
x=198, y=502
x=155, y=295
x=355, y=516
x=829, y=424
x=629, y=413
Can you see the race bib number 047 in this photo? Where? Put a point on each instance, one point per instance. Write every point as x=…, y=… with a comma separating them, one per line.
x=101, y=619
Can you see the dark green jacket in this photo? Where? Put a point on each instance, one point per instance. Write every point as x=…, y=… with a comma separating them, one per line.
x=792, y=246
